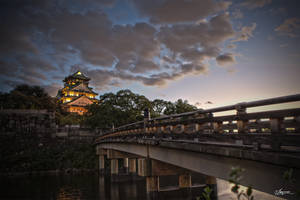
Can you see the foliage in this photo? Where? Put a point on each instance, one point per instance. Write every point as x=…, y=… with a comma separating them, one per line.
x=113, y=110
x=70, y=118
x=127, y=107
x=288, y=178
x=117, y=109
x=206, y=193
x=27, y=97
x=288, y=175
x=235, y=178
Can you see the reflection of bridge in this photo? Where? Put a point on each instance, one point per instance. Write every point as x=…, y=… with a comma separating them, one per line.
x=265, y=144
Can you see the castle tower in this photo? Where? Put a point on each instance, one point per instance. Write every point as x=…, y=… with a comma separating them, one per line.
x=76, y=94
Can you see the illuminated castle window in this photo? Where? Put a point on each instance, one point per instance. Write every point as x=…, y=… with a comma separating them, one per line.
x=77, y=93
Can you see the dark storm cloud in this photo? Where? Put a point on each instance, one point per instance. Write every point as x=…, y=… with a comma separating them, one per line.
x=174, y=11
x=52, y=88
x=226, y=59
x=237, y=14
x=42, y=36
x=7, y=68
x=251, y=4
x=290, y=27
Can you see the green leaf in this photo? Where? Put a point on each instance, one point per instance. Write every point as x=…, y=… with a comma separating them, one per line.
x=235, y=189
x=249, y=191
x=287, y=175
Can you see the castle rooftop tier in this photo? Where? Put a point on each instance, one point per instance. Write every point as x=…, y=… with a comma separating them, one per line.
x=77, y=94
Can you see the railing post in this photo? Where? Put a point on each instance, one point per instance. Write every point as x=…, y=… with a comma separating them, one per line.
x=275, y=125
x=230, y=124
x=217, y=126
x=209, y=124
x=258, y=122
x=171, y=128
x=162, y=129
x=297, y=119
x=146, y=119
x=182, y=128
x=241, y=123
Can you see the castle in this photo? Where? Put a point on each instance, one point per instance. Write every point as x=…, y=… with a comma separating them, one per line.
x=76, y=94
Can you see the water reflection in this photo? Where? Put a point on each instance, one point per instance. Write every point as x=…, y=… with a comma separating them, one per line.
x=69, y=193
x=92, y=186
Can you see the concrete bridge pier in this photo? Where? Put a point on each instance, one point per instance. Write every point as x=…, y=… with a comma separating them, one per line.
x=114, y=169
x=126, y=165
x=155, y=170
x=212, y=183
x=123, y=166
x=102, y=154
x=132, y=166
x=185, y=185
x=152, y=187
x=101, y=164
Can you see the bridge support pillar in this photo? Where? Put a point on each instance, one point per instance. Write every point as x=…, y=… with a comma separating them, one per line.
x=152, y=187
x=126, y=160
x=132, y=165
x=101, y=164
x=212, y=183
x=114, y=169
x=185, y=185
x=185, y=181
x=152, y=184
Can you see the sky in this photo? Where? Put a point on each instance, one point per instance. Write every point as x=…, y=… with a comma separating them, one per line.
x=209, y=52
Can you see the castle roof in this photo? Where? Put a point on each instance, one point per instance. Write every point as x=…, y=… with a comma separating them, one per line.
x=77, y=75
x=79, y=101
x=81, y=87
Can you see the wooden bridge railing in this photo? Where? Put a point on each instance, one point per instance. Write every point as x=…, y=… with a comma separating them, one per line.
x=202, y=123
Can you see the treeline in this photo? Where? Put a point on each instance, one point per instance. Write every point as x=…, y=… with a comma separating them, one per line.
x=127, y=107
x=27, y=97
x=116, y=109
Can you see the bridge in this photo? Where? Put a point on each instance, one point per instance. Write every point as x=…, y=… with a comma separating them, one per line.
x=266, y=144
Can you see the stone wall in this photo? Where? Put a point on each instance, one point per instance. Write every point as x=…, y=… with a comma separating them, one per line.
x=75, y=132
x=27, y=121
x=42, y=123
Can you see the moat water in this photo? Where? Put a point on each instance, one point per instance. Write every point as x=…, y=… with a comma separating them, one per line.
x=93, y=187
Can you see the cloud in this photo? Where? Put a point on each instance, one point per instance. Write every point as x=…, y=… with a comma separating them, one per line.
x=175, y=11
x=52, y=88
x=226, y=59
x=245, y=33
x=231, y=46
x=135, y=48
x=270, y=37
x=8, y=68
x=283, y=45
x=205, y=35
x=237, y=14
x=42, y=39
x=289, y=27
x=252, y=4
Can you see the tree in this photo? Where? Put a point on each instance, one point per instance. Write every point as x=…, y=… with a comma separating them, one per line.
x=126, y=107
x=117, y=109
x=27, y=97
x=184, y=106
x=178, y=107
x=158, y=107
